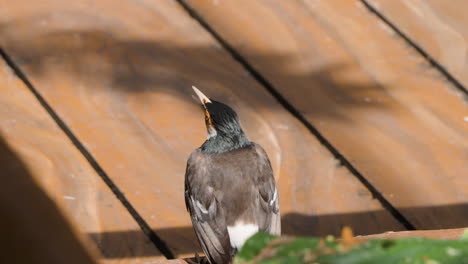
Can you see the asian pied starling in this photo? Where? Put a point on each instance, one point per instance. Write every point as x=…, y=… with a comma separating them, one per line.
x=230, y=191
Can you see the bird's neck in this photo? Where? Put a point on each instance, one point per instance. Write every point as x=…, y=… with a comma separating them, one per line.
x=225, y=141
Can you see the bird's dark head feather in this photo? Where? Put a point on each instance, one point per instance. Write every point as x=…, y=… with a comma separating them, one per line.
x=222, y=123
x=227, y=134
x=223, y=117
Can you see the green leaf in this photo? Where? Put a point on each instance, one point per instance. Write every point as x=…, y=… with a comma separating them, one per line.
x=265, y=248
x=253, y=246
x=464, y=235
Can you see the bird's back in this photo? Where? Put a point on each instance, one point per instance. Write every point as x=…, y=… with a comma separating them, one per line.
x=234, y=192
x=235, y=174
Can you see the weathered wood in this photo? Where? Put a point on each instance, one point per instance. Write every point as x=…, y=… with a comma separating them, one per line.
x=370, y=95
x=455, y=233
x=41, y=165
x=439, y=27
x=120, y=77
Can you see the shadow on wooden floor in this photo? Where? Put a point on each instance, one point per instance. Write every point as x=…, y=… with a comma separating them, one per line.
x=292, y=224
x=100, y=60
x=33, y=230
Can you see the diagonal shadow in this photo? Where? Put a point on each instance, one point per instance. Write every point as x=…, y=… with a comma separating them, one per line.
x=102, y=60
x=33, y=230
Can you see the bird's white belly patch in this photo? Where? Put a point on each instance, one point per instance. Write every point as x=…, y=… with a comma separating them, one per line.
x=240, y=232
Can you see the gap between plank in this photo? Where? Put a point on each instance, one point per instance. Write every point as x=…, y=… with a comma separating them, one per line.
x=433, y=62
x=293, y=111
x=158, y=242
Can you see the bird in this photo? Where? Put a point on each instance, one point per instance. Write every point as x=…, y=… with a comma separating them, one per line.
x=230, y=190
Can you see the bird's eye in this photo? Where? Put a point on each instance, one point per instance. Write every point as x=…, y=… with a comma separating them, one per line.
x=206, y=118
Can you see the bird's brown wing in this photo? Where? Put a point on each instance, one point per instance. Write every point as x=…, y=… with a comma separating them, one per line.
x=207, y=218
x=269, y=218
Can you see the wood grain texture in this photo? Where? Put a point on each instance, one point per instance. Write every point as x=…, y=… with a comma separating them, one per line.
x=439, y=27
x=42, y=155
x=370, y=95
x=120, y=77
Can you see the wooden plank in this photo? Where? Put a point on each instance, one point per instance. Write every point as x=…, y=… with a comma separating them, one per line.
x=454, y=233
x=30, y=220
x=42, y=150
x=364, y=90
x=440, y=29
x=120, y=77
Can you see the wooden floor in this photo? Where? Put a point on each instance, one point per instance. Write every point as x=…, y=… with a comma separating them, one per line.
x=360, y=104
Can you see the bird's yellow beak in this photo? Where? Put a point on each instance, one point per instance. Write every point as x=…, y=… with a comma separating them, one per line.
x=203, y=98
x=209, y=123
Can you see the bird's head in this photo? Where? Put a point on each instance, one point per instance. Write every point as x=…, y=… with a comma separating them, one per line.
x=222, y=123
x=219, y=118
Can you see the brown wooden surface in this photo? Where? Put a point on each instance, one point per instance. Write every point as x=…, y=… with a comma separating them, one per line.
x=31, y=224
x=364, y=90
x=120, y=77
x=41, y=154
x=439, y=27
x=454, y=233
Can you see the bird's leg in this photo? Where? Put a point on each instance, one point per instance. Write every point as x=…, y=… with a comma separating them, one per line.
x=198, y=260
x=190, y=261
x=201, y=260
x=197, y=257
